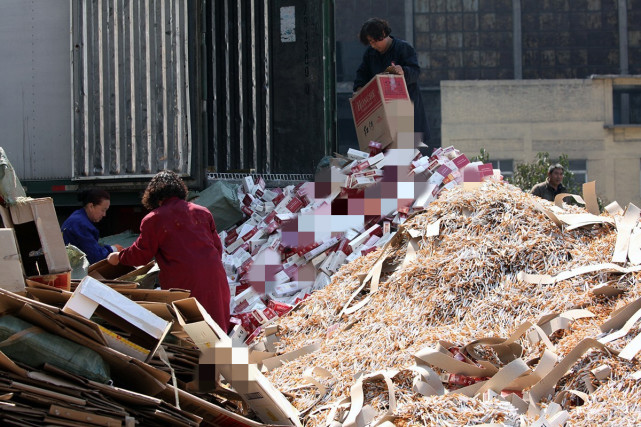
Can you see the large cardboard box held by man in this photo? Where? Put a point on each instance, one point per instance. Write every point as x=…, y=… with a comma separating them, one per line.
x=381, y=109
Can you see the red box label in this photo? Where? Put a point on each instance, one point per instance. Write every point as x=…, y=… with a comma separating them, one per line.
x=366, y=102
x=393, y=88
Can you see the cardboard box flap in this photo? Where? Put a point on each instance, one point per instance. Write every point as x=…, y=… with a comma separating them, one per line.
x=164, y=311
x=102, y=270
x=10, y=264
x=52, y=296
x=7, y=365
x=21, y=212
x=96, y=293
x=38, y=235
x=137, y=272
x=212, y=415
x=10, y=302
x=61, y=325
x=48, y=227
x=219, y=355
x=155, y=295
x=198, y=324
x=113, y=284
x=146, y=330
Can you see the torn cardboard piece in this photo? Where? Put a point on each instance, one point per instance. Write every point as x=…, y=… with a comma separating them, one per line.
x=624, y=232
x=546, y=279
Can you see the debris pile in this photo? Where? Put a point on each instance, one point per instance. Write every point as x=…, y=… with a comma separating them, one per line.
x=451, y=309
x=295, y=238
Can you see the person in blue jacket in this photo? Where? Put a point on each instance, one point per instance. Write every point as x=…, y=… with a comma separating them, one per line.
x=78, y=229
x=385, y=53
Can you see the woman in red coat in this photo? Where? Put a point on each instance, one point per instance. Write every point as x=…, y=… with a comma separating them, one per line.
x=182, y=237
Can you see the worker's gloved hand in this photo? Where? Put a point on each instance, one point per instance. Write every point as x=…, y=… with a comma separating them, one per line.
x=113, y=258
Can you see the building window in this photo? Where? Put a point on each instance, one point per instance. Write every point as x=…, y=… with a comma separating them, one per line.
x=506, y=166
x=626, y=101
x=580, y=170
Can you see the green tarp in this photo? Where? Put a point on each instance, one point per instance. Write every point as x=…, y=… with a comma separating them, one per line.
x=23, y=342
x=222, y=201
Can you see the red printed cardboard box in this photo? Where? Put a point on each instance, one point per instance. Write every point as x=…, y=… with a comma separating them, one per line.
x=381, y=109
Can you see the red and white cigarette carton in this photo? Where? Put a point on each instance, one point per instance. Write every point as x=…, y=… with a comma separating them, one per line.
x=357, y=154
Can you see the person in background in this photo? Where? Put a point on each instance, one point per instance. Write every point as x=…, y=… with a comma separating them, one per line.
x=78, y=229
x=388, y=54
x=553, y=184
x=182, y=237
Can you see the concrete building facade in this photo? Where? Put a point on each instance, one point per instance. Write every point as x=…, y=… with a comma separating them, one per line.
x=514, y=120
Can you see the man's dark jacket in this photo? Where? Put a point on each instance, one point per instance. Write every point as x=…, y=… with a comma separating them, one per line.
x=403, y=54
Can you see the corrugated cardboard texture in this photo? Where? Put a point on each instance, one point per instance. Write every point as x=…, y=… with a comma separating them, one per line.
x=10, y=265
x=43, y=214
x=373, y=119
x=146, y=329
x=102, y=270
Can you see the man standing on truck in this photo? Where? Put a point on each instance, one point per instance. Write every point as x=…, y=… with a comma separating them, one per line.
x=385, y=53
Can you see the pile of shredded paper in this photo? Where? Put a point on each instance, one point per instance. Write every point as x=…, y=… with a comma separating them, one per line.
x=481, y=309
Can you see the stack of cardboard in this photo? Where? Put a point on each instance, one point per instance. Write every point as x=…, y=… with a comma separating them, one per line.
x=141, y=388
x=124, y=327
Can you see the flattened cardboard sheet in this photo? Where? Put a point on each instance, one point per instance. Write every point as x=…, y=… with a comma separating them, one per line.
x=146, y=329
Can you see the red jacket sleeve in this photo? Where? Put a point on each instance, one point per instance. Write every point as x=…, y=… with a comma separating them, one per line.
x=145, y=247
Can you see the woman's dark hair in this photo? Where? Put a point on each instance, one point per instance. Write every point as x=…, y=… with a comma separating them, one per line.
x=94, y=196
x=375, y=28
x=163, y=185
